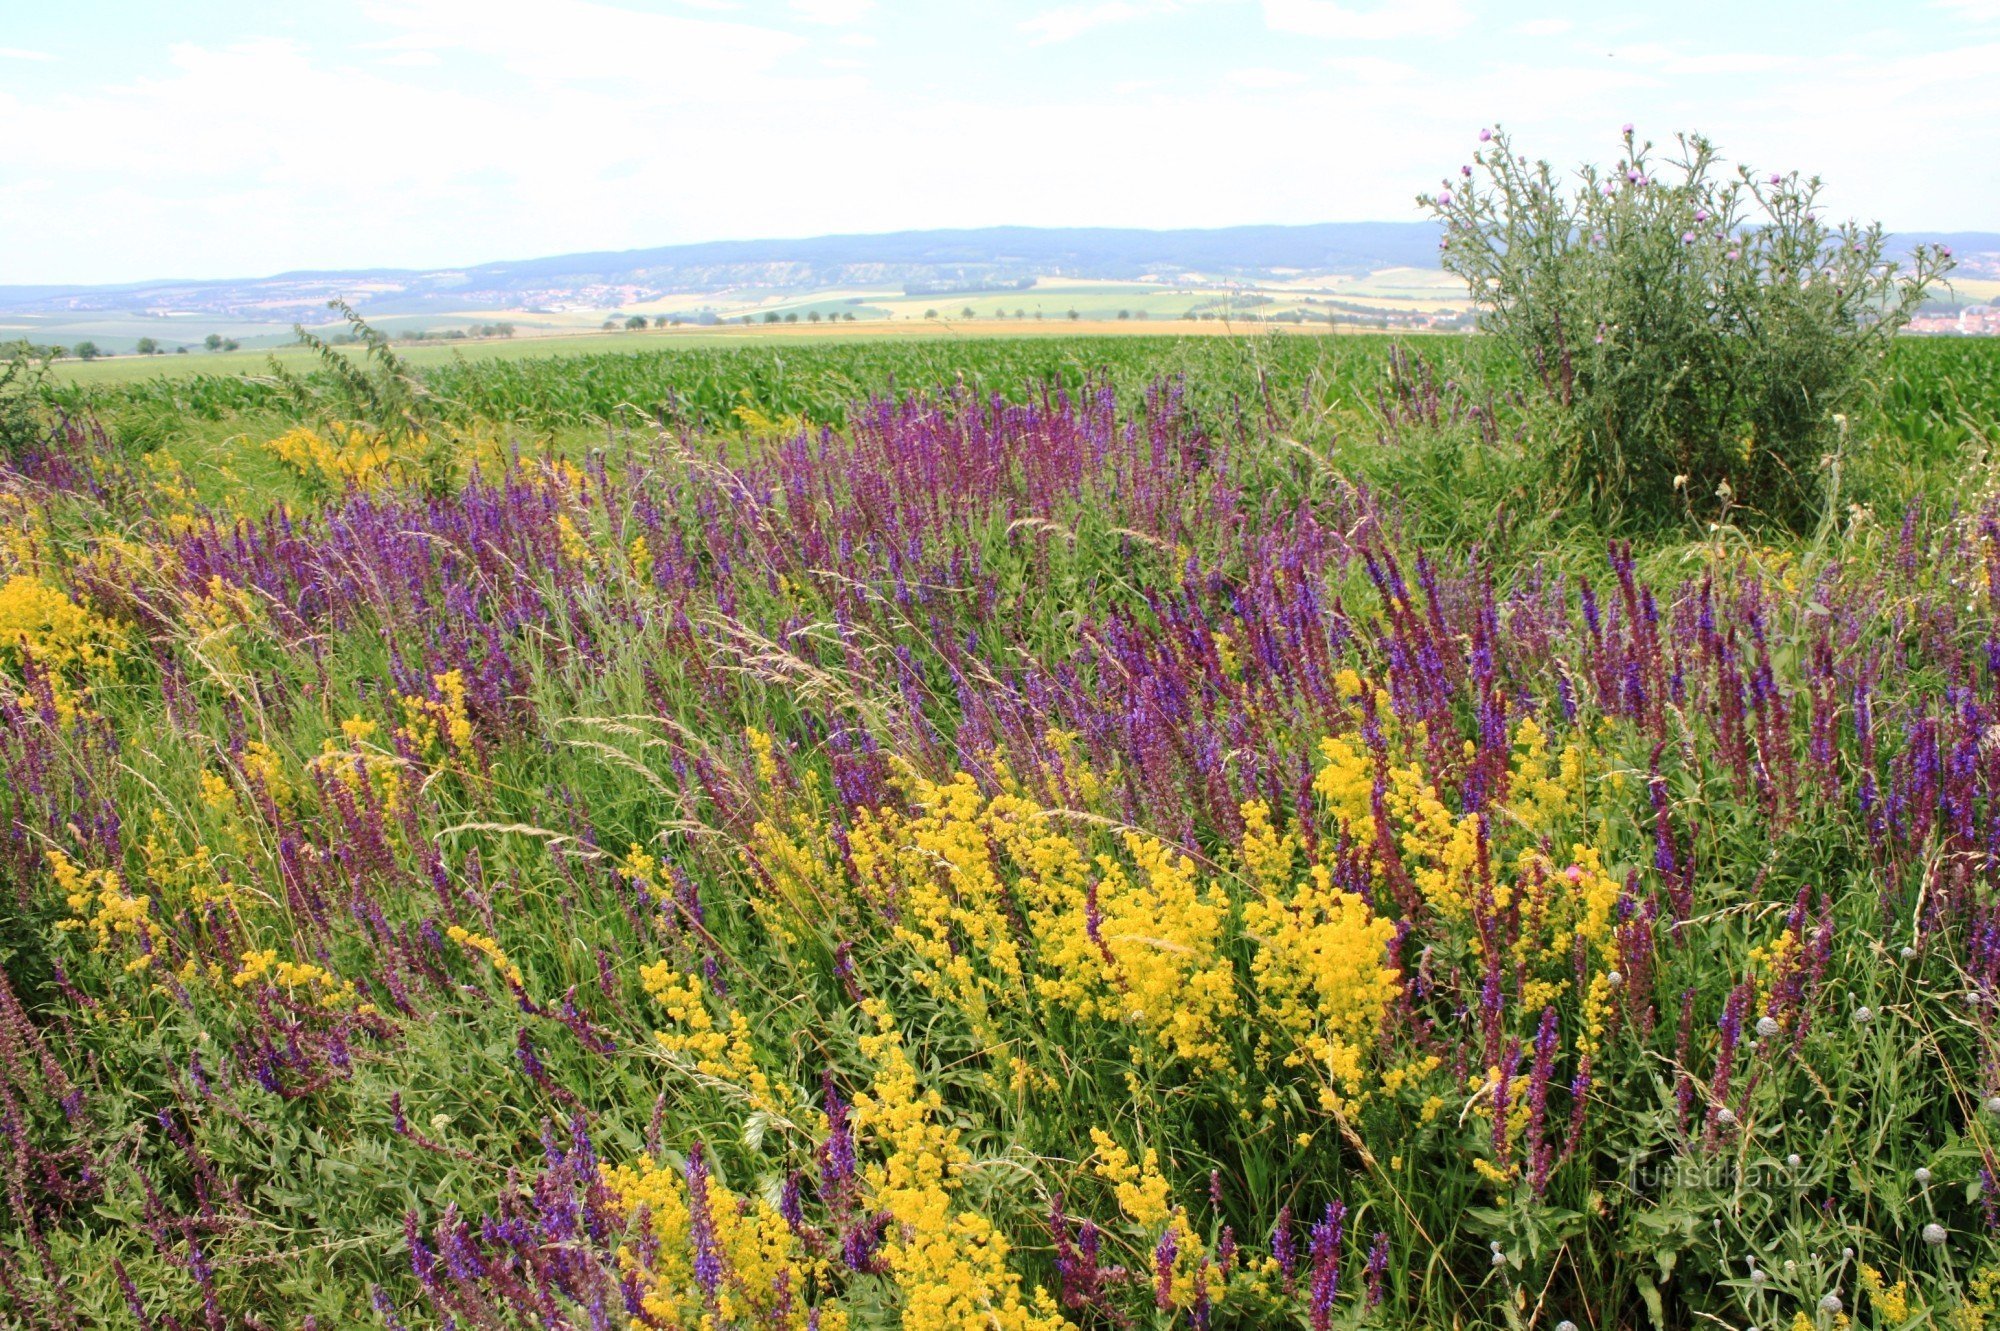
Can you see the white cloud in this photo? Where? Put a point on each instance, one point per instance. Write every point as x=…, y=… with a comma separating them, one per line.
x=1385, y=22
x=1729, y=62
x=833, y=12
x=1264, y=77
x=580, y=41
x=576, y=125
x=1061, y=25
x=16, y=53
x=1544, y=27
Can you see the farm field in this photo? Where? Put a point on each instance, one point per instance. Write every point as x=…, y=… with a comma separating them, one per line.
x=1411, y=297
x=780, y=829
x=127, y=369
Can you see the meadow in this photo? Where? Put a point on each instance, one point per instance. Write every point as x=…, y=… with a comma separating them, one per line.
x=1003, y=833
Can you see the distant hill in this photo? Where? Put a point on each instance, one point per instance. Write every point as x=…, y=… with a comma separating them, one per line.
x=983, y=259
x=940, y=259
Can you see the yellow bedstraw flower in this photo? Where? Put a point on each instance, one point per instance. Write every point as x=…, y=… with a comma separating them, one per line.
x=1890, y=1302
x=489, y=949
x=357, y=768
x=328, y=989
x=1141, y=1189
x=102, y=905
x=40, y=621
x=1321, y=978
x=432, y=723
x=764, y=1267
x=726, y=1056
x=341, y=454
x=949, y=1264
x=1135, y=939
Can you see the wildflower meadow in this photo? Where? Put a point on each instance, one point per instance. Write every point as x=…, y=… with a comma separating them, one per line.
x=1115, y=841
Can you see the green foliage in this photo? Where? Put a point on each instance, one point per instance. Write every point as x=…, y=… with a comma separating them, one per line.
x=23, y=376
x=1691, y=335
x=382, y=391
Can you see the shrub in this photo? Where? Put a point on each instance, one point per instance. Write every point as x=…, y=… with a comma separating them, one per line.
x=22, y=376
x=1693, y=333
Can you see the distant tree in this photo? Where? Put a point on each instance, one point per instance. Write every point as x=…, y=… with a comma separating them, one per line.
x=673, y=323
x=848, y=315
x=1074, y=315
x=229, y=344
x=661, y=321
x=146, y=346
x=87, y=350
x=813, y=317
x=213, y=341
x=610, y=323
x=637, y=321
x=930, y=314
x=791, y=316
x=180, y=351
x=967, y=313
x=1020, y=314
x=770, y=316
x=1124, y=314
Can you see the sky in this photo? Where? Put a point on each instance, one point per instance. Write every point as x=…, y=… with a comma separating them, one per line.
x=216, y=138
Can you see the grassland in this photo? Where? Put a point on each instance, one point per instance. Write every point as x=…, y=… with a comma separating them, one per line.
x=992, y=832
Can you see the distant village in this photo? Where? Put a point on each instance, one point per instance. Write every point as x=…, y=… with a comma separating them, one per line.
x=1969, y=321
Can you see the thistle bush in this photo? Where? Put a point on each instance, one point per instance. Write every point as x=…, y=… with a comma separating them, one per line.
x=1694, y=334
x=22, y=376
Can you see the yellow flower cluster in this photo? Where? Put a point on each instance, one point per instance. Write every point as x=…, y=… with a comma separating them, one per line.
x=103, y=906
x=1150, y=953
x=39, y=622
x=489, y=949
x=357, y=768
x=1890, y=1302
x=729, y=1057
x=442, y=722
x=1320, y=972
x=193, y=874
x=342, y=454
x=990, y=891
x=762, y=1260
x=1141, y=1189
x=329, y=989
x=949, y=1263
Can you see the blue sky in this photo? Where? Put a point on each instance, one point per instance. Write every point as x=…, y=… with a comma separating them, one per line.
x=204, y=138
